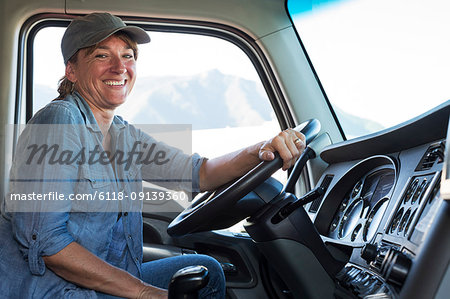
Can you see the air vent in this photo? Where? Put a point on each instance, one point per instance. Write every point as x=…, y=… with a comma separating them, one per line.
x=434, y=153
x=325, y=184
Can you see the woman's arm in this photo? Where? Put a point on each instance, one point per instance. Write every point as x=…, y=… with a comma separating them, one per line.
x=77, y=265
x=218, y=171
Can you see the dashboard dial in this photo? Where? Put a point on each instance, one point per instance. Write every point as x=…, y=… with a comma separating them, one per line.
x=396, y=220
x=374, y=218
x=351, y=218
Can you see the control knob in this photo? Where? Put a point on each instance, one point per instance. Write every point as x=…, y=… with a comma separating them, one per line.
x=369, y=252
x=395, y=267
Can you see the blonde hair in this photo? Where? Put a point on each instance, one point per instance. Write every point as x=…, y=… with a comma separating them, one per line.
x=66, y=87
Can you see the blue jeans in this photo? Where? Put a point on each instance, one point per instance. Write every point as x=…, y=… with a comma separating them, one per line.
x=159, y=273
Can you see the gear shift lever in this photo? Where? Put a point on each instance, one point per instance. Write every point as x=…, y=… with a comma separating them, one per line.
x=186, y=282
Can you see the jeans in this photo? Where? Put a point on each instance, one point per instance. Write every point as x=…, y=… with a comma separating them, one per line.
x=159, y=273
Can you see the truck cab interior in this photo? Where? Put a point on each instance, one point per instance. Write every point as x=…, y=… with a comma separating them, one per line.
x=361, y=214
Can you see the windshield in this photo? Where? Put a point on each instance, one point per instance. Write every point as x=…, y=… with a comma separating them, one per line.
x=380, y=62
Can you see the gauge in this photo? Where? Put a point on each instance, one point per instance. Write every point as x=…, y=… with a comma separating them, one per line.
x=404, y=221
x=343, y=205
x=411, y=190
x=384, y=185
x=409, y=222
x=335, y=224
x=356, y=189
x=420, y=191
x=338, y=215
x=351, y=218
x=374, y=218
x=396, y=220
x=355, y=232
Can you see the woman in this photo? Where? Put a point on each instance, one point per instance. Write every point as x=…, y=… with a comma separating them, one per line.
x=64, y=248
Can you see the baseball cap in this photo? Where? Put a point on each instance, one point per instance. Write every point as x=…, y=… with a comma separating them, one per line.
x=93, y=28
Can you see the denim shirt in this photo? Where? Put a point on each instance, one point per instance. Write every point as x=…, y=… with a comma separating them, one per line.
x=38, y=228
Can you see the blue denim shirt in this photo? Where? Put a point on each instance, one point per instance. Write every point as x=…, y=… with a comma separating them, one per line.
x=38, y=228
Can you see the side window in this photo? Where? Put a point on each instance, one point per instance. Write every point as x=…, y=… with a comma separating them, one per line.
x=181, y=79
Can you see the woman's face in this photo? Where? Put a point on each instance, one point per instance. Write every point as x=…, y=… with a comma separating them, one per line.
x=106, y=76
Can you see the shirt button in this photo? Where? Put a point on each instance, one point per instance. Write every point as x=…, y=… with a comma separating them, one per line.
x=33, y=237
x=136, y=259
x=125, y=214
x=129, y=237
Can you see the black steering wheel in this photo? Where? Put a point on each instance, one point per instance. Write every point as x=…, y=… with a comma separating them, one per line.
x=203, y=211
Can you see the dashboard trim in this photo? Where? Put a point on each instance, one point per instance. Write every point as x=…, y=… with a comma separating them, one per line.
x=394, y=139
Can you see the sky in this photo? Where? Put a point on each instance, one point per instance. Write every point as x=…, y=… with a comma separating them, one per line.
x=386, y=60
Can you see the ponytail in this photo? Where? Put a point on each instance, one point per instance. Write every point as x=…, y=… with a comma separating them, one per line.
x=65, y=86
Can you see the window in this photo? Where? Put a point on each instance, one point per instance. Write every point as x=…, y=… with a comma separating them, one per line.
x=380, y=62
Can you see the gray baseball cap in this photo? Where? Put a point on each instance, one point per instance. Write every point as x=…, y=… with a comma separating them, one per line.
x=93, y=28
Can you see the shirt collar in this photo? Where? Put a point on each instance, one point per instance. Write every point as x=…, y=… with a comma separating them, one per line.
x=117, y=123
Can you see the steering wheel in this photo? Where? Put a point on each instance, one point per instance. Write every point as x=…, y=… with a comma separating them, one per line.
x=200, y=215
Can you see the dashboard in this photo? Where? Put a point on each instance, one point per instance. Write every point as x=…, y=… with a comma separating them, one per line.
x=382, y=199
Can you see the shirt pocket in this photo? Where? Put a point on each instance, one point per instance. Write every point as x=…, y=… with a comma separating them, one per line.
x=96, y=191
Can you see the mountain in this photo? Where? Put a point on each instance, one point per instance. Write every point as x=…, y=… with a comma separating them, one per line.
x=207, y=101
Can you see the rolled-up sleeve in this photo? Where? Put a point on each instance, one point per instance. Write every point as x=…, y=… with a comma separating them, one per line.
x=197, y=162
x=40, y=234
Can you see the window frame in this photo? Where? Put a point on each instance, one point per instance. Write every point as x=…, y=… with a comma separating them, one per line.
x=32, y=26
x=319, y=83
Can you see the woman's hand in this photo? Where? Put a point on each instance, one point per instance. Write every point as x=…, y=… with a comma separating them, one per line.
x=218, y=171
x=288, y=143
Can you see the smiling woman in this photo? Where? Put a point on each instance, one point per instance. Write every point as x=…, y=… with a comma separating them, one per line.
x=60, y=235
x=104, y=74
